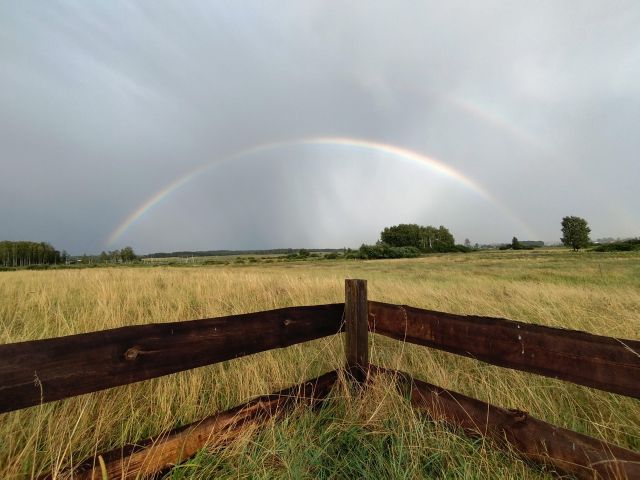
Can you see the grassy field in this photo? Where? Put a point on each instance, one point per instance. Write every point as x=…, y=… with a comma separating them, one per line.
x=373, y=436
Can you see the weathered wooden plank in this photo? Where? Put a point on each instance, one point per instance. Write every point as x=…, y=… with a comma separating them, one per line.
x=356, y=328
x=157, y=454
x=52, y=369
x=536, y=440
x=605, y=363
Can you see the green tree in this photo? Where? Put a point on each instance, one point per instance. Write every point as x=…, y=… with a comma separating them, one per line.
x=575, y=233
x=426, y=239
x=128, y=255
x=23, y=254
x=444, y=240
x=515, y=244
x=403, y=235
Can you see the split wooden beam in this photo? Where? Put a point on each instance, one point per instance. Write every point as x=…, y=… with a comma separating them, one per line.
x=158, y=454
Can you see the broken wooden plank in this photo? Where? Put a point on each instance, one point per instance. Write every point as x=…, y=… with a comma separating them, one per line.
x=160, y=453
x=606, y=363
x=570, y=452
x=41, y=371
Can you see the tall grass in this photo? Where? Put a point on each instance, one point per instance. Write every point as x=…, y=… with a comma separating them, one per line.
x=375, y=435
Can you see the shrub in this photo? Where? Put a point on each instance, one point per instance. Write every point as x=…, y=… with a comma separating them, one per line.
x=382, y=250
x=629, y=245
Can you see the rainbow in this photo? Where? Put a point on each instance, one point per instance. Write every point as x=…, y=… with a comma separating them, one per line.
x=365, y=146
x=495, y=119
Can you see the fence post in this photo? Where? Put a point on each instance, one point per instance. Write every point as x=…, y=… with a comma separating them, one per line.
x=356, y=309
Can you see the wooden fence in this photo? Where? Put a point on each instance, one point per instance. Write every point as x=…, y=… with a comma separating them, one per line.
x=41, y=371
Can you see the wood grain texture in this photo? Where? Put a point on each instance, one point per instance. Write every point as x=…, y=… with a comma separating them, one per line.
x=52, y=369
x=356, y=327
x=605, y=363
x=148, y=457
x=567, y=451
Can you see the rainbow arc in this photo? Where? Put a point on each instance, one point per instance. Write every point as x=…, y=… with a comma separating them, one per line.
x=366, y=146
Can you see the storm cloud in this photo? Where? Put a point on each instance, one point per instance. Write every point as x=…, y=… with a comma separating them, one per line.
x=104, y=105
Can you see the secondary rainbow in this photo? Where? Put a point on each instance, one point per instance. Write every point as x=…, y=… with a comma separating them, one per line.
x=344, y=142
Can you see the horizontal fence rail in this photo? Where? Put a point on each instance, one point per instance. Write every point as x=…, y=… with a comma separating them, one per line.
x=539, y=441
x=604, y=363
x=41, y=371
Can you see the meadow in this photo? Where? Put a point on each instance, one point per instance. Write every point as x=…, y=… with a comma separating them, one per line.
x=374, y=435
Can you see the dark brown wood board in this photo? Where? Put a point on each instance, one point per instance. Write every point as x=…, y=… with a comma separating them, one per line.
x=570, y=452
x=45, y=370
x=605, y=363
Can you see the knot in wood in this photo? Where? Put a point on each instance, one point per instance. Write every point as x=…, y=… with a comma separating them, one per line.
x=287, y=322
x=131, y=354
x=518, y=415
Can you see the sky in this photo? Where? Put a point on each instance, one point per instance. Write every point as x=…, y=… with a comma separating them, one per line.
x=247, y=125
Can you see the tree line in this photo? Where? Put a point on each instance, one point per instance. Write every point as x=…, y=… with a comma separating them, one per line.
x=126, y=255
x=16, y=254
x=411, y=240
x=426, y=239
x=25, y=254
x=398, y=241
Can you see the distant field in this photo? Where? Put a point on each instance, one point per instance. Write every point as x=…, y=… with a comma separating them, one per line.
x=231, y=258
x=215, y=259
x=352, y=437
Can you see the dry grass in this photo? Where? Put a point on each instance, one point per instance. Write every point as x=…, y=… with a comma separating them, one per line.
x=599, y=293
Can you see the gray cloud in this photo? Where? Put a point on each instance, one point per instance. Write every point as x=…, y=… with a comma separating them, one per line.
x=103, y=105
